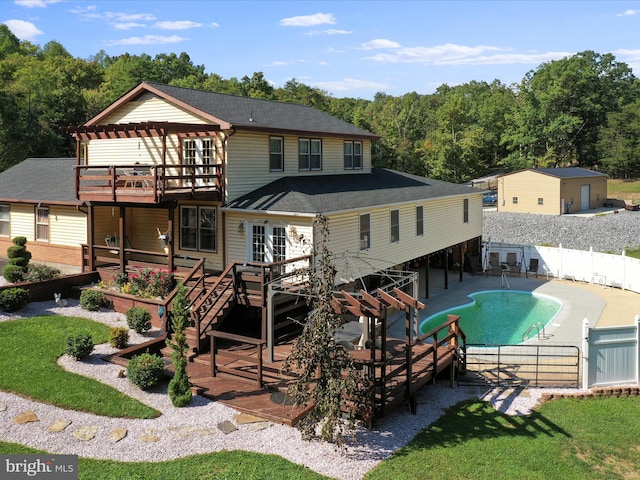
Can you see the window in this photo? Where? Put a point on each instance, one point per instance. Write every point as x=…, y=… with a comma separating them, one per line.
x=4, y=221
x=420, y=221
x=198, y=228
x=309, y=154
x=276, y=154
x=42, y=223
x=365, y=231
x=395, y=225
x=540, y=201
x=352, y=155
x=258, y=243
x=199, y=154
x=465, y=211
x=515, y=200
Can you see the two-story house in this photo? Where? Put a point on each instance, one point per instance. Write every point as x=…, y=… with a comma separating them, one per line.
x=175, y=172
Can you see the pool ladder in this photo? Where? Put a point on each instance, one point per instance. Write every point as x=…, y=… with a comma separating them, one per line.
x=536, y=326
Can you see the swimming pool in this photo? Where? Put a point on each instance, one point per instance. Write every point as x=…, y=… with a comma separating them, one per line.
x=498, y=316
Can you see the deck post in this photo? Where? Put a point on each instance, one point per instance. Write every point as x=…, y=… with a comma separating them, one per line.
x=269, y=307
x=122, y=223
x=91, y=234
x=170, y=243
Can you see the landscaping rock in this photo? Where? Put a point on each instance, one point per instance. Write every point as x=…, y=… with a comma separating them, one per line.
x=86, y=433
x=118, y=434
x=58, y=426
x=227, y=427
x=26, y=417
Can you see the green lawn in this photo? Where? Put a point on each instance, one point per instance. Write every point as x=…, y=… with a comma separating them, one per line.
x=30, y=348
x=226, y=465
x=564, y=439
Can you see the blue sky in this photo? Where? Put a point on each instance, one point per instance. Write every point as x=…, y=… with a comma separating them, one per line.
x=348, y=48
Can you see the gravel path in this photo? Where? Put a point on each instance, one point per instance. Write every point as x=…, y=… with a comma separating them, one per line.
x=610, y=233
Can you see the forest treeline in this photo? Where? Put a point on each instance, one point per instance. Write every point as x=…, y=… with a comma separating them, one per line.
x=582, y=110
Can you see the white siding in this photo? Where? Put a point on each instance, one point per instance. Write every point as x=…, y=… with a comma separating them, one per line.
x=151, y=109
x=247, y=163
x=67, y=225
x=443, y=227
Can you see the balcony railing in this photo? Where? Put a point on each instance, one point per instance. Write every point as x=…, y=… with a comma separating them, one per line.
x=146, y=183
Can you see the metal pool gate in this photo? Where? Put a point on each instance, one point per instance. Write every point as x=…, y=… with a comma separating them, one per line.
x=523, y=365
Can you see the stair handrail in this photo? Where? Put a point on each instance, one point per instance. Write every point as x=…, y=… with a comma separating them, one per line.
x=196, y=306
x=168, y=300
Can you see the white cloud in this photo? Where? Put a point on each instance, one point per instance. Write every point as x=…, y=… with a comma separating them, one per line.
x=177, y=25
x=452, y=54
x=214, y=24
x=127, y=25
x=379, y=43
x=330, y=31
x=35, y=3
x=90, y=13
x=23, y=30
x=148, y=40
x=350, y=84
x=628, y=12
x=308, y=20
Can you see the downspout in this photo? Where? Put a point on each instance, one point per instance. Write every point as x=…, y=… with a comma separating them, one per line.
x=223, y=189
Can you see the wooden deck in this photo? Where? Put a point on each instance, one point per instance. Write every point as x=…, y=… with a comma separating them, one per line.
x=270, y=401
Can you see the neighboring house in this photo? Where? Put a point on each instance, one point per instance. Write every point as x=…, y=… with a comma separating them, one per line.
x=227, y=179
x=38, y=201
x=552, y=191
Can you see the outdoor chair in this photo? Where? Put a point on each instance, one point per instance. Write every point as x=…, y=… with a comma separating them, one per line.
x=494, y=263
x=512, y=263
x=533, y=267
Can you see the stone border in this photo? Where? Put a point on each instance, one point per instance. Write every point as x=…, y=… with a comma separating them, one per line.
x=596, y=392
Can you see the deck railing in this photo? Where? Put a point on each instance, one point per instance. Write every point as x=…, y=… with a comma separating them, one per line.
x=112, y=182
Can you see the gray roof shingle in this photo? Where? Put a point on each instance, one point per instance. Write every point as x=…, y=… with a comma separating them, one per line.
x=335, y=193
x=36, y=180
x=252, y=113
x=568, y=172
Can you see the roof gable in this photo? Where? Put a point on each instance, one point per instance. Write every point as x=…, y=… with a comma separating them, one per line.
x=231, y=111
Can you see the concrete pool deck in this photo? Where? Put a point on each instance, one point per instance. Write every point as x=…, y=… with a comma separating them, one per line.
x=600, y=306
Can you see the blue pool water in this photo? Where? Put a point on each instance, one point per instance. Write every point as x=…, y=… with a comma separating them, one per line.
x=498, y=316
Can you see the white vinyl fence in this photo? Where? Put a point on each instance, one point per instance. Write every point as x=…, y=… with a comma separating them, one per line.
x=587, y=266
x=611, y=355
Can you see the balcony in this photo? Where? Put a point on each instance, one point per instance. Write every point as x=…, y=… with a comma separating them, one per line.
x=150, y=184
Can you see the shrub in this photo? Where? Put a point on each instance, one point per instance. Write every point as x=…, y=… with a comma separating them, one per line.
x=120, y=279
x=79, y=345
x=13, y=273
x=91, y=300
x=179, y=388
x=12, y=299
x=118, y=337
x=138, y=319
x=22, y=241
x=36, y=272
x=145, y=370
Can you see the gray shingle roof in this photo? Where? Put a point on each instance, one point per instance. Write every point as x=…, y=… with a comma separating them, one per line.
x=335, y=193
x=245, y=112
x=569, y=172
x=35, y=180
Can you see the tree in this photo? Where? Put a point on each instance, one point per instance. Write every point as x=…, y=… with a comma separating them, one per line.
x=326, y=375
x=179, y=388
x=619, y=143
x=563, y=105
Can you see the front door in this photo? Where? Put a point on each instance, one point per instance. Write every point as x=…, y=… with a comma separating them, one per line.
x=198, y=156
